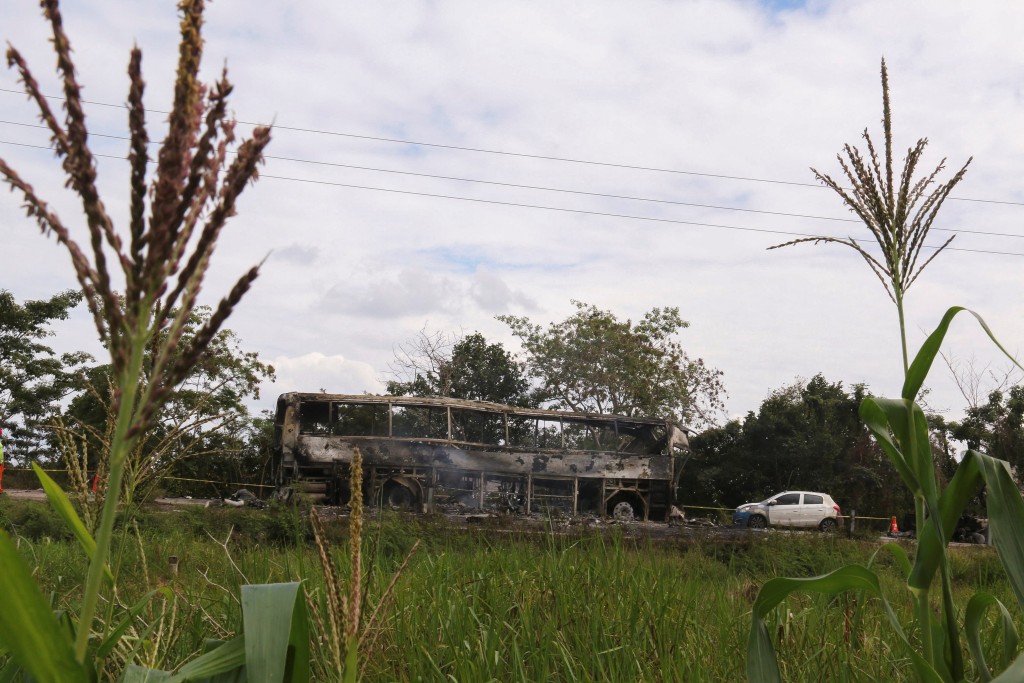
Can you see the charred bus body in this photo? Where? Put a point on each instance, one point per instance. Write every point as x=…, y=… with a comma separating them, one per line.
x=421, y=453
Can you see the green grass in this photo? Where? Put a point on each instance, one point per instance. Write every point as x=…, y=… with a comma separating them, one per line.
x=501, y=605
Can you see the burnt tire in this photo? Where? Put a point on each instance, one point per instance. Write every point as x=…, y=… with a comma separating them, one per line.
x=625, y=511
x=757, y=522
x=828, y=525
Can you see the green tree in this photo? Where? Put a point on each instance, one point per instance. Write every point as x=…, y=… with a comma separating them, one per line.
x=804, y=436
x=33, y=378
x=594, y=362
x=242, y=460
x=204, y=419
x=995, y=427
x=436, y=364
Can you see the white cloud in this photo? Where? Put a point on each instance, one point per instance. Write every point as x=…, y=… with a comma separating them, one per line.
x=321, y=372
x=731, y=88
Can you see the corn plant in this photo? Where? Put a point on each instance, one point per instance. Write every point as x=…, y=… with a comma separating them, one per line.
x=899, y=218
x=159, y=265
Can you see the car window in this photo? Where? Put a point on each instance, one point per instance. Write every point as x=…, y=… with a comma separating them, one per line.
x=788, y=499
x=811, y=499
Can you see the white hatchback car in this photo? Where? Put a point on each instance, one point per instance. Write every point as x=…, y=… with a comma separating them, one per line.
x=791, y=508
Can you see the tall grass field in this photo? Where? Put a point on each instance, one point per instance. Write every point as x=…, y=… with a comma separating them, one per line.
x=505, y=604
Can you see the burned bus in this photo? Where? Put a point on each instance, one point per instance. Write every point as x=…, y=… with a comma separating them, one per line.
x=423, y=454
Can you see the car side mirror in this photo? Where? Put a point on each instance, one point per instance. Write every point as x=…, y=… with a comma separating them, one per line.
x=773, y=502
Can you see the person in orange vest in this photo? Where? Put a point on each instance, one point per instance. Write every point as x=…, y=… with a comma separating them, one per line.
x=1, y=460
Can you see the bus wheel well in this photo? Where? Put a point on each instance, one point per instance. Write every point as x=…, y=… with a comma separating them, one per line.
x=401, y=493
x=626, y=506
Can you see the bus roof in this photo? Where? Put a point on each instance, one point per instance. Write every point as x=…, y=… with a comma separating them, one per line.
x=477, y=405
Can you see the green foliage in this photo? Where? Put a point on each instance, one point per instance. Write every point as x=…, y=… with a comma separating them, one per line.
x=161, y=260
x=33, y=378
x=470, y=368
x=528, y=605
x=805, y=436
x=32, y=520
x=275, y=646
x=202, y=430
x=902, y=430
x=594, y=362
x=996, y=427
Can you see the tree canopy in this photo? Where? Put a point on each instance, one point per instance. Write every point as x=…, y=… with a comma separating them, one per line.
x=594, y=362
x=806, y=436
x=996, y=426
x=205, y=416
x=435, y=364
x=33, y=377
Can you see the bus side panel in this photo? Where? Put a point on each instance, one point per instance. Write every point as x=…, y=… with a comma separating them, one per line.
x=313, y=450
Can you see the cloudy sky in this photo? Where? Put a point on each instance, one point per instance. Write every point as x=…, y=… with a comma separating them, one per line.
x=701, y=118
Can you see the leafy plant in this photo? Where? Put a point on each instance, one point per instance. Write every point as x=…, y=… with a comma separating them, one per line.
x=33, y=379
x=594, y=362
x=162, y=261
x=901, y=429
x=202, y=419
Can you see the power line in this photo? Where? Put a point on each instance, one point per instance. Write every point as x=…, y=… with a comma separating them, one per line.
x=559, y=209
x=524, y=155
x=548, y=189
x=606, y=195
x=600, y=213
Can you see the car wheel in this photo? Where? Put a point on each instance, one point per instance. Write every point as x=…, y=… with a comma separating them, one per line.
x=757, y=522
x=828, y=525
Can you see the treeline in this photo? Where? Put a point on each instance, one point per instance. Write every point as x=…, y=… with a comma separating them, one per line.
x=54, y=408
x=806, y=436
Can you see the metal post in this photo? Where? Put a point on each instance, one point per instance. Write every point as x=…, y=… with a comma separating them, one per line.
x=853, y=522
x=430, y=491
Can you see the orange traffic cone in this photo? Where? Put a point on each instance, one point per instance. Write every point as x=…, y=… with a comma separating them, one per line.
x=893, y=529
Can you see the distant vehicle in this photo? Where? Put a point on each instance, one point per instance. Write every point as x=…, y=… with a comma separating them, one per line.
x=419, y=453
x=790, y=508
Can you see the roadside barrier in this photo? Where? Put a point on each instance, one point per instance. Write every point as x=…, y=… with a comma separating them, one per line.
x=851, y=518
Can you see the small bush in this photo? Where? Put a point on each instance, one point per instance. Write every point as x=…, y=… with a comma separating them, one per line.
x=32, y=520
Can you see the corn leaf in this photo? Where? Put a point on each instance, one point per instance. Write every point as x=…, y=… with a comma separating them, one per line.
x=926, y=355
x=1005, y=518
x=266, y=609
x=138, y=674
x=28, y=629
x=1013, y=673
x=964, y=485
x=236, y=675
x=225, y=658
x=898, y=553
x=894, y=424
x=973, y=616
x=63, y=507
x=762, y=666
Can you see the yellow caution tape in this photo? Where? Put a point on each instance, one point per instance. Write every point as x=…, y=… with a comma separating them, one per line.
x=202, y=481
x=705, y=507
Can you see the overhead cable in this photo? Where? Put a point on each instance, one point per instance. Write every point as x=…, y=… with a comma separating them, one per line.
x=524, y=155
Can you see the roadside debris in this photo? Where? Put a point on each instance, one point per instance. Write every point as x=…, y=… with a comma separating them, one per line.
x=244, y=498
